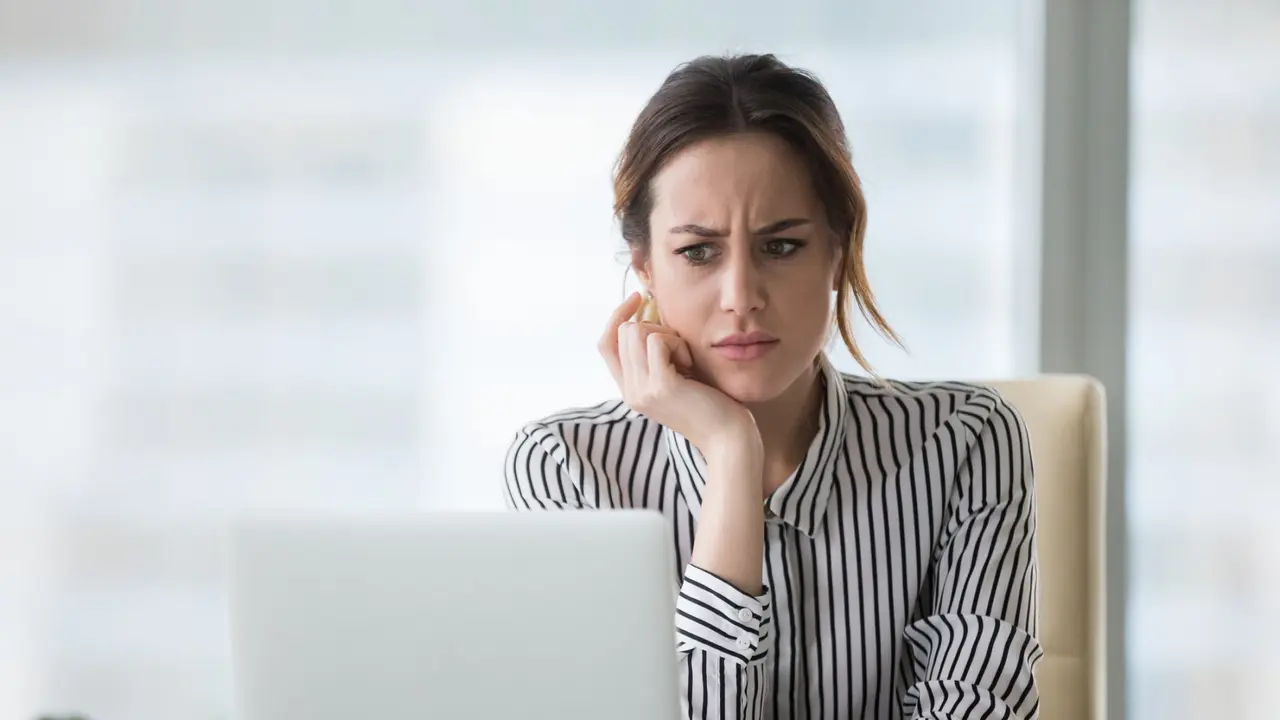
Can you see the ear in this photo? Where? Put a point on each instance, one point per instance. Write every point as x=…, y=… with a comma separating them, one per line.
x=640, y=266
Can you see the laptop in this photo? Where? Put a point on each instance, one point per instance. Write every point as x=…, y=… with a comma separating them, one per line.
x=543, y=616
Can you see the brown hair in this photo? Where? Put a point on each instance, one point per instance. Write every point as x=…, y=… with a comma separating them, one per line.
x=713, y=96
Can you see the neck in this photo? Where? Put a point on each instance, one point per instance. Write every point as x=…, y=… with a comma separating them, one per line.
x=787, y=426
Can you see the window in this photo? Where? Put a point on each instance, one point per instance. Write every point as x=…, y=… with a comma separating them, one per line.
x=1205, y=335
x=334, y=262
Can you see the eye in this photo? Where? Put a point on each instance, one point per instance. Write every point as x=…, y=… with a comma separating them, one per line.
x=699, y=254
x=782, y=247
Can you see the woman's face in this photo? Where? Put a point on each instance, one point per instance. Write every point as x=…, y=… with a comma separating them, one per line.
x=742, y=263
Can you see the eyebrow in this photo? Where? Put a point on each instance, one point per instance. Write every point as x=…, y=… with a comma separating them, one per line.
x=770, y=229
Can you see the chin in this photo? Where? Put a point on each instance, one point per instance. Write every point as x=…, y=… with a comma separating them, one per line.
x=749, y=387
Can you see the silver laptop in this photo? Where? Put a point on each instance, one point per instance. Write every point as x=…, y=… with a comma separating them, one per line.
x=555, y=616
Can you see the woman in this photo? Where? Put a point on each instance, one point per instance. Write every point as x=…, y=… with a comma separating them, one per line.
x=844, y=547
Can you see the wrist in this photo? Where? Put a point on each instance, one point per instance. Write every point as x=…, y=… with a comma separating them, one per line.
x=737, y=455
x=736, y=445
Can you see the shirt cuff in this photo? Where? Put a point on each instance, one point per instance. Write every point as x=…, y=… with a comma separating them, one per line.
x=715, y=616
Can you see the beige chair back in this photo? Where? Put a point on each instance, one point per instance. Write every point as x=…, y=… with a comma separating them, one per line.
x=1066, y=416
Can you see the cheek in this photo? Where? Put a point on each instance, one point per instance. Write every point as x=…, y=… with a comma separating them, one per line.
x=815, y=309
x=683, y=312
x=683, y=296
x=805, y=293
x=805, y=314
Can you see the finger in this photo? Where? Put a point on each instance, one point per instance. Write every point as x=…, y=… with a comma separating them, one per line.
x=631, y=353
x=681, y=355
x=658, y=350
x=625, y=311
x=622, y=341
x=678, y=349
x=609, y=351
x=608, y=344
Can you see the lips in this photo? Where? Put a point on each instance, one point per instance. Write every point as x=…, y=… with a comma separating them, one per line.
x=745, y=346
x=747, y=338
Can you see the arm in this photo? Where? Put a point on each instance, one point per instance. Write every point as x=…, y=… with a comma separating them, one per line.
x=721, y=631
x=730, y=539
x=723, y=618
x=975, y=653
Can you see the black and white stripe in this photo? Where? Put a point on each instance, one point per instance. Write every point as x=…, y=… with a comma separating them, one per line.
x=900, y=562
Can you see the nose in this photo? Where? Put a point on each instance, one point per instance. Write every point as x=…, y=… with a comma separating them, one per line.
x=741, y=289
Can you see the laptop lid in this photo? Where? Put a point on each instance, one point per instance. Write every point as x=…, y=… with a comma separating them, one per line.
x=562, y=616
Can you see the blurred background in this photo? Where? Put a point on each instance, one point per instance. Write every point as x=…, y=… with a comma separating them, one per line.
x=277, y=253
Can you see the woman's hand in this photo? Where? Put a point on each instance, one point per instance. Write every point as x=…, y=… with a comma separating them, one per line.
x=653, y=368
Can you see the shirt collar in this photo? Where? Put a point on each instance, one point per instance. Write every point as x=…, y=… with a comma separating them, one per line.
x=802, y=500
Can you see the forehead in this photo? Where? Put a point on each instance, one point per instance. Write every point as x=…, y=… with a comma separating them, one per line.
x=750, y=174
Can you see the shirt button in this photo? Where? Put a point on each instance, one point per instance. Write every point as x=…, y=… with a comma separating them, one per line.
x=744, y=643
x=744, y=615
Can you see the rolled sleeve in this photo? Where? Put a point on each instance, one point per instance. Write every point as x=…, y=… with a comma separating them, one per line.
x=715, y=616
x=976, y=651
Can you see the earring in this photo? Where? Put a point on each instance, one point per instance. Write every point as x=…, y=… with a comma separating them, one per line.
x=649, y=309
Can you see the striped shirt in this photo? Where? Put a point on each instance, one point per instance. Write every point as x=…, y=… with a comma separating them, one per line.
x=899, y=561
